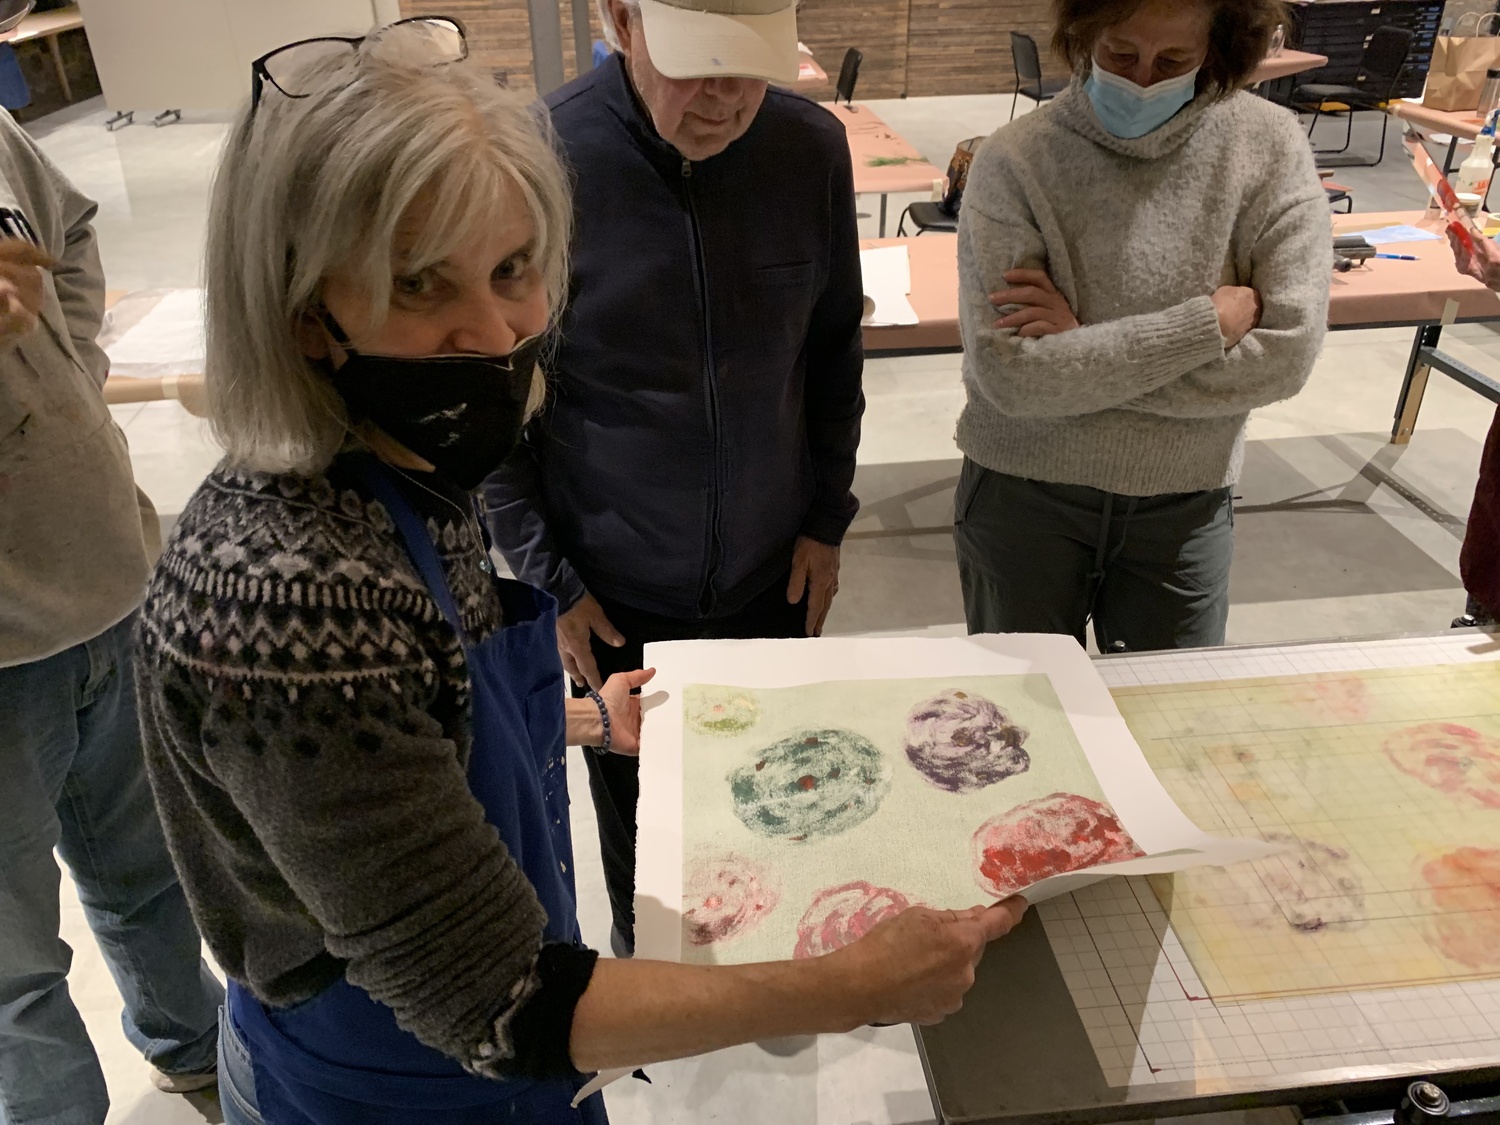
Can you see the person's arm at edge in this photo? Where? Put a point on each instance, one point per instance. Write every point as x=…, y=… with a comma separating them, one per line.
x=834, y=394
x=79, y=277
x=62, y=217
x=1292, y=270
x=1090, y=368
x=511, y=497
x=914, y=968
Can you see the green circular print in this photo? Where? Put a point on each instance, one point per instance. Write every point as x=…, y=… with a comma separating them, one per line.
x=722, y=710
x=810, y=784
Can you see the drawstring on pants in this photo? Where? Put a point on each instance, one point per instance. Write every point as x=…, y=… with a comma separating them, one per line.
x=1105, y=558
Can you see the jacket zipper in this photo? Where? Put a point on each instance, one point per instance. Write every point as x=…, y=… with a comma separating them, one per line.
x=706, y=597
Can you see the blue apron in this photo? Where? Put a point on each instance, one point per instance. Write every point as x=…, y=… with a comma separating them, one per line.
x=339, y=1058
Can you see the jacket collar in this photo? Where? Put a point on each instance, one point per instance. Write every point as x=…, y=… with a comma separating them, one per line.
x=1076, y=111
x=627, y=106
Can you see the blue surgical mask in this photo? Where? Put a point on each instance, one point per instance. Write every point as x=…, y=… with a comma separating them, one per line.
x=1128, y=110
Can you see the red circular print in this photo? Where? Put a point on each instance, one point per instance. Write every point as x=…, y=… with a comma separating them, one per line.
x=724, y=896
x=843, y=914
x=1465, y=887
x=1450, y=758
x=1048, y=836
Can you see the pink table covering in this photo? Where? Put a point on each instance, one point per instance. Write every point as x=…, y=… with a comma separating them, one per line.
x=809, y=73
x=1285, y=64
x=871, y=141
x=1460, y=123
x=1381, y=292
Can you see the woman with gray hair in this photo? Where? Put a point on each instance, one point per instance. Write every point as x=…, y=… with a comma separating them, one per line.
x=355, y=731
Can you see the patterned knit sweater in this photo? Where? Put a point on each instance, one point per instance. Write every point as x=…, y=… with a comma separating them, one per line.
x=305, y=711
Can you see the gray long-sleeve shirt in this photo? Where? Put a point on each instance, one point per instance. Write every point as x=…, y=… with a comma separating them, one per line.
x=75, y=534
x=1143, y=398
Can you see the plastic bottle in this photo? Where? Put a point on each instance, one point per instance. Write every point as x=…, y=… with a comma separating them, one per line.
x=1489, y=97
x=1475, y=172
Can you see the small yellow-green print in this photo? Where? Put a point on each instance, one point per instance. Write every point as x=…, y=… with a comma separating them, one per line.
x=814, y=783
x=725, y=711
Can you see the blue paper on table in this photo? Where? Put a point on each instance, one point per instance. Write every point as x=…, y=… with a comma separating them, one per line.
x=1382, y=236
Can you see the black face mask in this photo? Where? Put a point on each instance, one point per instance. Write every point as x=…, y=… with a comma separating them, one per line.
x=463, y=413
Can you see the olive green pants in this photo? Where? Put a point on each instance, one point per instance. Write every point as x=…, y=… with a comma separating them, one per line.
x=1151, y=572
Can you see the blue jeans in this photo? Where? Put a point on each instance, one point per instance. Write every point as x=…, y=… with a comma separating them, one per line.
x=72, y=778
x=236, y=1078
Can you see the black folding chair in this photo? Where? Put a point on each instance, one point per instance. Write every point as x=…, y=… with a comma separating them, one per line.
x=926, y=216
x=1337, y=195
x=1029, y=81
x=848, y=76
x=1379, y=70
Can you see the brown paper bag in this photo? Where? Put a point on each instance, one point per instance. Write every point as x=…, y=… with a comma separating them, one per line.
x=1458, y=65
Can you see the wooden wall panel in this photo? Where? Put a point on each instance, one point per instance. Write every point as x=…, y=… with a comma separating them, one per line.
x=877, y=27
x=915, y=47
x=500, y=33
x=963, y=46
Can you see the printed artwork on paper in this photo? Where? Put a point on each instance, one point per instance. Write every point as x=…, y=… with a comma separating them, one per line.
x=813, y=813
x=1385, y=788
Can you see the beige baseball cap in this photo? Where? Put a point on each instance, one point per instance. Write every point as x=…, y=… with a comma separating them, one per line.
x=723, y=38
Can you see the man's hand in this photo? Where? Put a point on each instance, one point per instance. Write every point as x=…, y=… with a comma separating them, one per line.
x=1483, y=264
x=21, y=291
x=815, y=570
x=1046, y=311
x=1239, y=309
x=574, y=629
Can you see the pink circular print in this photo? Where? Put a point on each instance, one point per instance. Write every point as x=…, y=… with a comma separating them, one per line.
x=724, y=896
x=843, y=914
x=1465, y=887
x=1450, y=758
x=1048, y=836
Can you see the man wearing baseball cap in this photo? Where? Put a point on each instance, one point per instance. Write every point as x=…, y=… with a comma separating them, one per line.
x=690, y=476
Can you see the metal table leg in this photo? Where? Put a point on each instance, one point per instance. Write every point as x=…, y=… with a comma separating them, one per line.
x=1414, y=386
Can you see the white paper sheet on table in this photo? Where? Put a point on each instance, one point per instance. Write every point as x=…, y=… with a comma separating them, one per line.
x=168, y=340
x=887, y=282
x=1171, y=841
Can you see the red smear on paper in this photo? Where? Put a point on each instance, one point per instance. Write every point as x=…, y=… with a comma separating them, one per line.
x=839, y=915
x=1049, y=836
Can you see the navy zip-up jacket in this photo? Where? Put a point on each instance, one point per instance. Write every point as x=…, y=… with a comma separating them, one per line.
x=705, y=397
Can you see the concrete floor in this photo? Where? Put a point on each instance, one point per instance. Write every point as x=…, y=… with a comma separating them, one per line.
x=1339, y=533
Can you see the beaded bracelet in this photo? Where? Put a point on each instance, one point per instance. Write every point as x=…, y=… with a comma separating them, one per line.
x=608, y=739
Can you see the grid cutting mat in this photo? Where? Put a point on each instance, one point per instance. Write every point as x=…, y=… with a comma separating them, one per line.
x=1375, y=940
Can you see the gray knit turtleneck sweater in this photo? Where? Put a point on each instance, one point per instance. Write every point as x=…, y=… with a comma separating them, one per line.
x=1143, y=399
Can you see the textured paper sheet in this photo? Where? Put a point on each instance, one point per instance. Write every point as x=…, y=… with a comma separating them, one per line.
x=923, y=837
x=867, y=830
